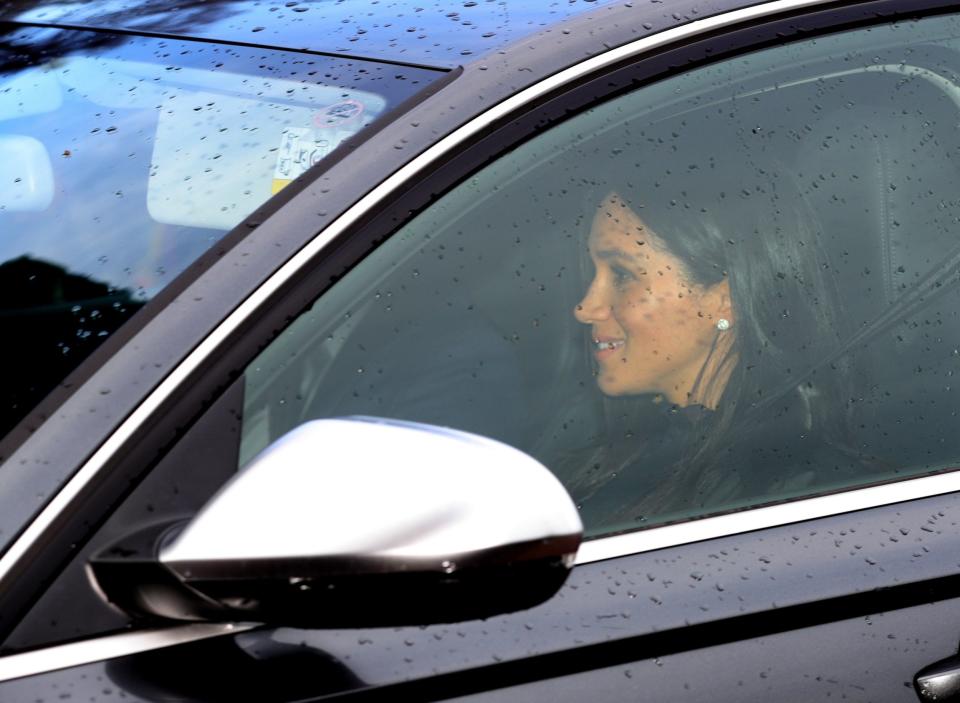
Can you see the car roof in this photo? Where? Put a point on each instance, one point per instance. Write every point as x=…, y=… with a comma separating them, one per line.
x=430, y=32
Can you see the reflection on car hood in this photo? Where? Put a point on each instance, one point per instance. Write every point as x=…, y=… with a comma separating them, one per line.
x=432, y=32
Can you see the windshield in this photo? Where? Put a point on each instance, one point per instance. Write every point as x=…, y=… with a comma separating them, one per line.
x=124, y=158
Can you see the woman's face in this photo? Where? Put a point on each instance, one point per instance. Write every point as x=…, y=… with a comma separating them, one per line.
x=651, y=327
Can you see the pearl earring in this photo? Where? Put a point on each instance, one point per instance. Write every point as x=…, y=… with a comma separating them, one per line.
x=723, y=324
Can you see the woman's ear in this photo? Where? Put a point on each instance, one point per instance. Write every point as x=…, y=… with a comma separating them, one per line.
x=718, y=304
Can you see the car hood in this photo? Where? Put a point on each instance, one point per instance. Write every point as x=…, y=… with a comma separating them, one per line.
x=430, y=32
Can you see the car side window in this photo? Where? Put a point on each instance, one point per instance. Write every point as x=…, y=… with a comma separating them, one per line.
x=732, y=287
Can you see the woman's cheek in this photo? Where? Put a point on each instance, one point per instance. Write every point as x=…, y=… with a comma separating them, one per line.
x=638, y=320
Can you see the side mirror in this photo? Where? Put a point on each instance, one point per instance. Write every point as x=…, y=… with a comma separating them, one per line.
x=358, y=522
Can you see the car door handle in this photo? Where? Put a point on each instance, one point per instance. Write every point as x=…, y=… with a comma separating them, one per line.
x=939, y=681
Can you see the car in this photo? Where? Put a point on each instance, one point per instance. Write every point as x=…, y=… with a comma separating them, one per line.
x=480, y=351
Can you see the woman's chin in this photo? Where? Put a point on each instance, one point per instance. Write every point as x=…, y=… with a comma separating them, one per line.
x=615, y=385
x=610, y=386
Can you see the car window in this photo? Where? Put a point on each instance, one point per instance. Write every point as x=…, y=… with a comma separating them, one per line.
x=124, y=158
x=734, y=287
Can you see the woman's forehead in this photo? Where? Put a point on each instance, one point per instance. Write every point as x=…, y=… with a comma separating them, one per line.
x=617, y=228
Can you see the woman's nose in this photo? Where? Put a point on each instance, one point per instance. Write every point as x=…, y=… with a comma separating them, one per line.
x=594, y=305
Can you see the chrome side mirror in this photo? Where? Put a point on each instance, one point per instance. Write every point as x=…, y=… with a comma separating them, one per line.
x=358, y=522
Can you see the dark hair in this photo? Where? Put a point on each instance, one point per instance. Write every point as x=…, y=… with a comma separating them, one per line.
x=732, y=210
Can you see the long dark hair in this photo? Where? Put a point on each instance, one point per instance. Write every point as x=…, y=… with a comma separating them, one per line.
x=733, y=212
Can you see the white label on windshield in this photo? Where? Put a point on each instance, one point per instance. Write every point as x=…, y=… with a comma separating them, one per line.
x=219, y=154
x=301, y=148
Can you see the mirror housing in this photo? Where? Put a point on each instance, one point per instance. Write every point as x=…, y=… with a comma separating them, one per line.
x=357, y=522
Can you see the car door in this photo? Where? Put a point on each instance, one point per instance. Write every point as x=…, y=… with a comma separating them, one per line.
x=814, y=564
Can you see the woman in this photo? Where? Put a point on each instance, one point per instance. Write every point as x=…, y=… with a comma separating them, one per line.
x=711, y=317
x=655, y=328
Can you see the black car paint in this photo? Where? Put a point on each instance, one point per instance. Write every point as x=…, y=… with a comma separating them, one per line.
x=789, y=579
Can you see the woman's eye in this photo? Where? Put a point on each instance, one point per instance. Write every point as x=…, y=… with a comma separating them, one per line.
x=621, y=276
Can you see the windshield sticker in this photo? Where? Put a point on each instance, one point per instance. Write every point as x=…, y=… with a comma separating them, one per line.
x=301, y=148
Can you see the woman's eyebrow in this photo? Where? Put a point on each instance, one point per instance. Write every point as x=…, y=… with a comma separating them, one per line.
x=616, y=254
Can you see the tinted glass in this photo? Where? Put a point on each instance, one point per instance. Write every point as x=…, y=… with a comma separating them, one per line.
x=124, y=158
x=733, y=287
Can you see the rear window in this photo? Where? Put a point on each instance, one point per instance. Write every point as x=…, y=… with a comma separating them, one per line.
x=124, y=158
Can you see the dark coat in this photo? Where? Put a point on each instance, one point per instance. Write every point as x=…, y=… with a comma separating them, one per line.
x=651, y=470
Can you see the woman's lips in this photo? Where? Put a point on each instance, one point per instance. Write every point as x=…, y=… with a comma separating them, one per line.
x=604, y=347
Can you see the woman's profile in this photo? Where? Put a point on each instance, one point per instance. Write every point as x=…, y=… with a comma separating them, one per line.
x=654, y=327
x=709, y=310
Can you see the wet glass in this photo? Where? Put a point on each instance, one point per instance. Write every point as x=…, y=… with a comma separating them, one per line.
x=124, y=158
x=733, y=287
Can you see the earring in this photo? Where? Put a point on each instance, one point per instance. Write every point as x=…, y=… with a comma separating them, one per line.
x=723, y=324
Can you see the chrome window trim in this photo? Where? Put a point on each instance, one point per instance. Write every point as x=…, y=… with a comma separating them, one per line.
x=65, y=656
x=751, y=519
x=595, y=550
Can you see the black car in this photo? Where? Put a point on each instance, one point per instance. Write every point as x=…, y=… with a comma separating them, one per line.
x=490, y=350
